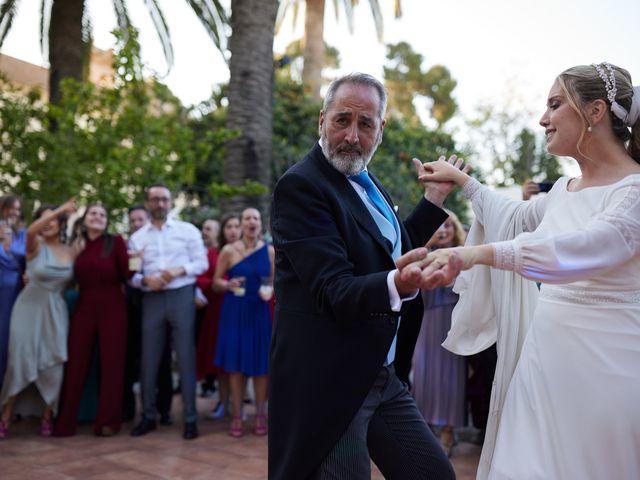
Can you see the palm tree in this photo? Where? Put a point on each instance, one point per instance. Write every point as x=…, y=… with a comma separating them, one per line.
x=69, y=32
x=250, y=93
x=313, y=44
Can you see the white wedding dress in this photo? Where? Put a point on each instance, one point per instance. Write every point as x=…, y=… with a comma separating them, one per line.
x=572, y=407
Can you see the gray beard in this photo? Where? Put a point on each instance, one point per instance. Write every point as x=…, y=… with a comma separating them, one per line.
x=346, y=165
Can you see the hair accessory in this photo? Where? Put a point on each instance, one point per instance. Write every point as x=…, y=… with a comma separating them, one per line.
x=629, y=118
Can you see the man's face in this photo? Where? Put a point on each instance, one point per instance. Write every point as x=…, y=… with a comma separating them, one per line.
x=158, y=202
x=351, y=129
x=137, y=219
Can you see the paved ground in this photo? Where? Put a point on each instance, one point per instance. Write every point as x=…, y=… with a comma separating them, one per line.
x=160, y=454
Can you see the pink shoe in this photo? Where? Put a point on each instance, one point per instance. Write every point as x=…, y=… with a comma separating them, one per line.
x=4, y=429
x=260, y=427
x=235, y=430
x=46, y=427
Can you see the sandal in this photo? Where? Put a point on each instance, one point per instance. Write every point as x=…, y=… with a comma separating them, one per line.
x=46, y=427
x=4, y=429
x=447, y=441
x=260, y=427
x=235, y=430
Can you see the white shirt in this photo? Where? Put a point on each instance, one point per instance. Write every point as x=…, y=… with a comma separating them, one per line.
x=175, y=244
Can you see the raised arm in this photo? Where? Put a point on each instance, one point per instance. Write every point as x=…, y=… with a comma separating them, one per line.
x=38, y=225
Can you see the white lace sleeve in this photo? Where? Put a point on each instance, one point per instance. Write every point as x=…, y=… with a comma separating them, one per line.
x=609, y=239
x=531, y=212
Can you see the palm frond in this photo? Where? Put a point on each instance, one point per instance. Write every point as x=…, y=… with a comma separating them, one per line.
x=122, y=15
x=214, y=18
x=282, y=13
x=44, y=25
x=296, y=12
x=7, y=13
x=377, y=18
x=160, y=23
x=348, y=10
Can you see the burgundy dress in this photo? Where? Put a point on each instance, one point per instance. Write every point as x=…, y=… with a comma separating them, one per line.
x=208, y=335
x=100, y=313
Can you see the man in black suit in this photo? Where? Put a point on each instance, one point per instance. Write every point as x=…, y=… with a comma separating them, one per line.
x=344, y=291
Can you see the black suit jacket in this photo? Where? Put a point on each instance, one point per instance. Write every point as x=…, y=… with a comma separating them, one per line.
x=333, y=322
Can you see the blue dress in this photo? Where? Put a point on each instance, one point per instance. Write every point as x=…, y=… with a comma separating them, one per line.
x=245, y=322
x=12, y=265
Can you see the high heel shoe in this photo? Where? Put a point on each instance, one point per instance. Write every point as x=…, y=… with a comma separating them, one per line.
x=46, y=427
x=235, y=430
x=260, y=427
x=4, y=429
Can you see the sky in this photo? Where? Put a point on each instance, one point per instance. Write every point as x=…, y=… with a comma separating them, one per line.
x=496, y=50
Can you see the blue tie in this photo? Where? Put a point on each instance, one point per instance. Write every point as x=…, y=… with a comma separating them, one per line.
x=364, y=180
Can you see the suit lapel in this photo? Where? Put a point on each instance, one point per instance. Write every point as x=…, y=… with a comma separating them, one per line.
x=350, y=199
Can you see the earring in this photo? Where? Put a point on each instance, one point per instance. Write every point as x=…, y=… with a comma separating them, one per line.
x=589, y=129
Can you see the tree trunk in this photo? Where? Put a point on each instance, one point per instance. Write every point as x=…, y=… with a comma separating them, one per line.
x=248, y=156
x=313, y=47
x=66, y=48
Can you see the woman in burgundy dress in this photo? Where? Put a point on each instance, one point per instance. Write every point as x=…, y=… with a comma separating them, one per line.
x=229, y=233
x=101, y=271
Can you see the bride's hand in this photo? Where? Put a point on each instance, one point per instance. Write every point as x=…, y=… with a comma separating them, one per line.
x=436, y=190
x=469, y=256
x=453, y=170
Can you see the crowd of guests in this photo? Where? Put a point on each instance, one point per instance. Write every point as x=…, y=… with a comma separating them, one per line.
x=138, y=304
x=170, y=291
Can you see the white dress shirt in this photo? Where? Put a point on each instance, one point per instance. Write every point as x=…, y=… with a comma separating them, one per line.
x=175, y=244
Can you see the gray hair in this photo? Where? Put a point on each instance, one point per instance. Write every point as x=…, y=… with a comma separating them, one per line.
x=356, y=79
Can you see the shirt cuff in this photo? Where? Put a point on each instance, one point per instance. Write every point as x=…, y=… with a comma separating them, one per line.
x=471, y=188
x=394, y=297
x=505, y=255
x=136, y=280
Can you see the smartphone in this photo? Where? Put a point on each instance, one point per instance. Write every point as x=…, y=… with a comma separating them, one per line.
x=545, y=186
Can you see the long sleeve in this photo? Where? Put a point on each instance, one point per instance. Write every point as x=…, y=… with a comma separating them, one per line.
x=482, y=198
x=609, y=239
x=197, y=254
x=122, y=258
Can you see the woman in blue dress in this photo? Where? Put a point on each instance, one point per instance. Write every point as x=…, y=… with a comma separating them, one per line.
x=244, y=334
x=12, y=263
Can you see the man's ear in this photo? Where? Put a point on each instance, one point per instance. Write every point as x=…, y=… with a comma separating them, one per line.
x=320, y=122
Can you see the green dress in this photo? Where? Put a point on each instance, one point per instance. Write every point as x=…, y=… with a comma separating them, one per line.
x=38, y=335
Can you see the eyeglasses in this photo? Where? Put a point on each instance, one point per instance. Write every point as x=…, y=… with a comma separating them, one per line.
x=159, y=200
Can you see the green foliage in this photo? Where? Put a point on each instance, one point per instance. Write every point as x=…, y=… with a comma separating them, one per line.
x=517, y=153
x=108, y=144
x=405, y=82
x=295, y=123
x=404, y=140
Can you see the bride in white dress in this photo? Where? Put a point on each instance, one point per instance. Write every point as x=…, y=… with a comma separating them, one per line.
x=569, y=405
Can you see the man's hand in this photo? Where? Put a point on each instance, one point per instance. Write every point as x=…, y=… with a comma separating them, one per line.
x=442, y=266
x=155, y=282
x=529, y=188
x=436, y=191
x=417, y=270
x=171, y=273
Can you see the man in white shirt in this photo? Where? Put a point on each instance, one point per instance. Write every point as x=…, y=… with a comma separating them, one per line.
x=174, y=255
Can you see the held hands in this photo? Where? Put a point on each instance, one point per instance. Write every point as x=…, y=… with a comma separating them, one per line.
x=444, y=174
x=448, y=261
x=417, y=269
x=154, y=282
x=170, y=273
